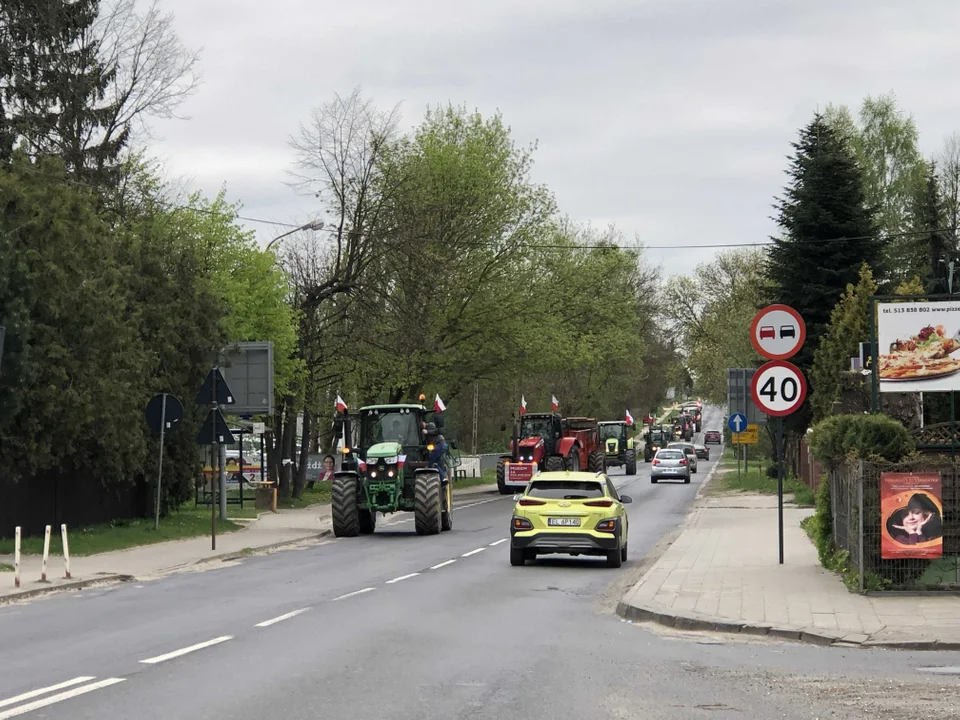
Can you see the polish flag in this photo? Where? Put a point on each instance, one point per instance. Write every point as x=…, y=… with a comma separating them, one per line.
x=341, y=405
x=629, y=418
x=523, y=405
x=555, y=402
x=438, y=404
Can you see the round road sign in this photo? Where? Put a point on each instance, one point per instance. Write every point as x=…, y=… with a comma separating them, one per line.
x=778, y=332
x=779, y=388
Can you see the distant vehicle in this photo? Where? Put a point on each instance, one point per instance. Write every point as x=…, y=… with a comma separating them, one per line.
x=713, y=436
x=670, y=463
x=570, y=513
x=690, y=452
x=768, y=331
x=703, y=452
x=788, y=331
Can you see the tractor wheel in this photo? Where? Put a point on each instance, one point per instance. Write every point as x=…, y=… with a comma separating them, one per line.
x=597, y=461
x=631, y=462
x=368, y=522
x=501, y=478
x=572, y=461
x=554, y=463
x=446, y=517
x=346, y=514
x=427, y=510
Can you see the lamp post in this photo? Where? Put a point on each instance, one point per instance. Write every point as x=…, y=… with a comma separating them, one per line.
x=312, y=225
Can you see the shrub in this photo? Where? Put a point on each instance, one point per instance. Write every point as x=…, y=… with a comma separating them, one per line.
x=867, y=437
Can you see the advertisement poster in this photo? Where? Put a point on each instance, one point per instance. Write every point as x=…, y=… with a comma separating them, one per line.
x=919, y=346
x=911, y=514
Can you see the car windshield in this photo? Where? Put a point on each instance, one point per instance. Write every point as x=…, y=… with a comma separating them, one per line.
x=390, y=426
x=700, y=447
x=610, y=431
x=565, y=489
x=537, y=426
x=669, y=455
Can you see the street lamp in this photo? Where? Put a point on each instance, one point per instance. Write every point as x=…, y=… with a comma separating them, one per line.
x=312, y=225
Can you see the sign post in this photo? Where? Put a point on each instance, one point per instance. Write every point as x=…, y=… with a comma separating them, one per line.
x=737, y=423
x=163, y=412
x=778, y=388
x=214, y=432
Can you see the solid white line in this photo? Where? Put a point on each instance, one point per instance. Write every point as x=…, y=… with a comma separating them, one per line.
x=43, y=691
x=473, y=552
x=498, y=542
x=36, y=705
x=443, y=564
x=358, y=592
x=268, y=623
x=402, y=577
x=184, y=651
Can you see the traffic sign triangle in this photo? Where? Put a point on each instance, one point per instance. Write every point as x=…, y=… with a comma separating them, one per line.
x=224, y=396
x=223, y=434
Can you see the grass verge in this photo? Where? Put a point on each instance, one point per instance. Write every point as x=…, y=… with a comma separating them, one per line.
x=4, y=567
x=754, y=479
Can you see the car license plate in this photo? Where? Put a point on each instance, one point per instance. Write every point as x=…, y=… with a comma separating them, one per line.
x=566, y=522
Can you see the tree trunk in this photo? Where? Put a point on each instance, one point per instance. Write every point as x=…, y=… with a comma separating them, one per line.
x=287, y=448
x=274, y=447
x=300, y=480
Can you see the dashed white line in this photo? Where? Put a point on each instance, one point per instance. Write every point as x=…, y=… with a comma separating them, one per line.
x=184, y=651
x=402, y=577
x=281, y=618
x=443, y=564
x=43, y=691
x=498, y=542
x=473, y=552
x=53, y=699
x=349, y=595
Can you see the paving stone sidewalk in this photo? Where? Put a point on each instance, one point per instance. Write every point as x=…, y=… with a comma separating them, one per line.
x=722, y=574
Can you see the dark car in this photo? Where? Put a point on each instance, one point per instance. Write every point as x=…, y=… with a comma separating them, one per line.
x=703, y=452
x=712, y=436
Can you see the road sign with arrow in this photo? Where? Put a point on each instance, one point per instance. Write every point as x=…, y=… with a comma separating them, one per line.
x=737, y=422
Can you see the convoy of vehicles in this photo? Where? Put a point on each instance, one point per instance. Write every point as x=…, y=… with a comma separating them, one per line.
x=618, y=446
x=670, y=463
x=571, y=513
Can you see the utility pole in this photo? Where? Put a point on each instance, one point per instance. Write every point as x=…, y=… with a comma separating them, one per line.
x=476, y=412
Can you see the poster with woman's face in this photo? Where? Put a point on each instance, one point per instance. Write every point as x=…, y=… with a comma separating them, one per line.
x=911, y=512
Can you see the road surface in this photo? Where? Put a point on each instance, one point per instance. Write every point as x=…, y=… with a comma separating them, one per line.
x=399, y=626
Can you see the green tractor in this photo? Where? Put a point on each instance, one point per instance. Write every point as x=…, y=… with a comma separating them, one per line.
x=657, y=437
x=386, y=469
x=618, y=445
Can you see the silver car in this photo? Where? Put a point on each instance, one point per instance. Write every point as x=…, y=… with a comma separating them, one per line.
x=670, y=463
x=689, y=450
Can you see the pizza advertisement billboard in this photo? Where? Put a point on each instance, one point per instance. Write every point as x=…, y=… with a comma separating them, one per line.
x=919, y=346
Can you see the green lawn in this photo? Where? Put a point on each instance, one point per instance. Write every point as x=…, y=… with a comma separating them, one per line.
x=754, y=479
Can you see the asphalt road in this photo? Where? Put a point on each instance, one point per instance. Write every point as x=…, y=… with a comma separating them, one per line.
x=398, y=626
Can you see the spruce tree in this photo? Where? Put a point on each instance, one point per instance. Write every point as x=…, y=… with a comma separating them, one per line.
x=933, y=248
x=827, y=234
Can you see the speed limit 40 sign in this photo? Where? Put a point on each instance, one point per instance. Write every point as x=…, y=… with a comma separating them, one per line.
x=779, y=388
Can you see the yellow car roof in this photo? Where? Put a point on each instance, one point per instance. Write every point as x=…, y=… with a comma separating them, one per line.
x=582, y=476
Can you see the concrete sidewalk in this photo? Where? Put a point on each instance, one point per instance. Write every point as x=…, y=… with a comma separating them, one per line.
x=722, y=574
x=270, y=530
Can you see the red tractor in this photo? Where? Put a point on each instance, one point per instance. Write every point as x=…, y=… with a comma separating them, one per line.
x=545, y=441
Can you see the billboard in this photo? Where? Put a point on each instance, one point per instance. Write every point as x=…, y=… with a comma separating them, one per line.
x=919, y=346
x=911, y=515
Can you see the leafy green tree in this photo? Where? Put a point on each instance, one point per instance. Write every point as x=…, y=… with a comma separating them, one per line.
x=934, y=245
x=827, y=235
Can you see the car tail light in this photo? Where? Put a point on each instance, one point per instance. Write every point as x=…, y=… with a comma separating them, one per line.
x=683, y=461
x=520, y=523
x=529, y=501
x=656, y=462
x=607, y=525
x=599, y=503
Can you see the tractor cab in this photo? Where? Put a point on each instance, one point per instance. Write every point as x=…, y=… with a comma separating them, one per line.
x=534, y=428
x=618, y=446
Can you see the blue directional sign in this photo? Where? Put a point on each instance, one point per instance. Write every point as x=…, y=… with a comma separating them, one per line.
x=737, y=422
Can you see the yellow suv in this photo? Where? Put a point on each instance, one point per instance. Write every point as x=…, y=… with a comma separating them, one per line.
x=569, y=513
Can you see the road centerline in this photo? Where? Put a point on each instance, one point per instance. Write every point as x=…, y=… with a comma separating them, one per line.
x=443, y=564
x=473, y=552
x=281, y=618
x=352, y=594
x=186, y=650
x=43, y=691
x=52, y=700
x=402, y=577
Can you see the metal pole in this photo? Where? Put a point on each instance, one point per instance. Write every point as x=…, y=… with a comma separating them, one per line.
x=214, y=454
x=860, y=544
x=263, y=460
x=163, y=426
x=780, y=483
x=874, y=379
x=222, y=482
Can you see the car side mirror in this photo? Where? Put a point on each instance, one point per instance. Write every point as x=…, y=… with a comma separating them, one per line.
x=626, y=499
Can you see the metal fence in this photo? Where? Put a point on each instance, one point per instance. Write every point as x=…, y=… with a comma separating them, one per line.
x=858, y=526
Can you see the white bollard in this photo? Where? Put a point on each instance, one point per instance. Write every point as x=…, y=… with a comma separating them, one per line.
x=46, y=554
x=66, y=550
x=16, y=557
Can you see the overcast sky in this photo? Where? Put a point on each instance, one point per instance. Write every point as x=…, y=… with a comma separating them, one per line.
x=670, y=118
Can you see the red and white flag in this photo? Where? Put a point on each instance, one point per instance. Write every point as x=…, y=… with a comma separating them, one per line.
x=438, y=404
x=523, y=405
x=555, y=402
x=341, y=405
x=629, y=418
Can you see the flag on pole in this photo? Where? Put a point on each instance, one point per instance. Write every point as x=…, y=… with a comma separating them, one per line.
x=555, y=402
x=629, y=418
x=523, y=405
x=438, y=404
x=341, y=405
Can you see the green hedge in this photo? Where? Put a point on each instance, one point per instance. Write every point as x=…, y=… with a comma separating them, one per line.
x=868, y=437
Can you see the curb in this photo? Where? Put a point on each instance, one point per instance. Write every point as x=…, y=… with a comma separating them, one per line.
x=238, y=554
x=75, y=585
x=808, y=635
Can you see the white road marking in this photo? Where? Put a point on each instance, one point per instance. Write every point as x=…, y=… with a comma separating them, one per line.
x=281, y=618
x=37, y=704
x=43, y=691
x=184, y=651
x=498, y=542
x=443, y=564
x=402, y=577
x=473, y=552
x=455, y=507
x=358, y=592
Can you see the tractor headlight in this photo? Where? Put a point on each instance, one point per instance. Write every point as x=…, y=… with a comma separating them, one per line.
x=373, y=473
x=390, y=473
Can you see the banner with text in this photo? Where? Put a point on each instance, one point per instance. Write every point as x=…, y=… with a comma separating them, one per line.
x=911, y=513
x=919, y=345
